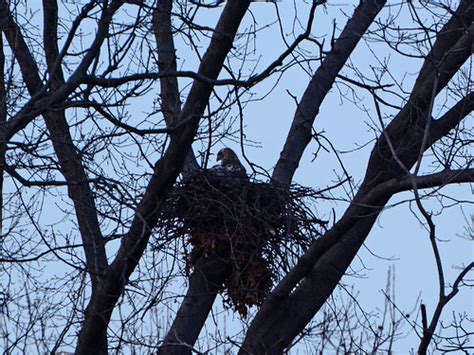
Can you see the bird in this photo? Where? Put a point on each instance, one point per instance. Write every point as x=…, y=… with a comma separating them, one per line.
x=230, y=164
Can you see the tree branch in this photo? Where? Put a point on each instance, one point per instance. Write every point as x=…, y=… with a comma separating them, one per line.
x=42, y=100
x=313, y=279
x=69, y=159
x=166, y=171
x=300, y=132
x=3, y=121
x=171, y=103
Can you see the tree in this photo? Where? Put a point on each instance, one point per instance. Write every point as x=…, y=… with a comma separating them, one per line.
x=86, y=178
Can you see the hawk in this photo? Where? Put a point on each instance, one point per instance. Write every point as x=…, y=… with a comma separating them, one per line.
x=230, y=164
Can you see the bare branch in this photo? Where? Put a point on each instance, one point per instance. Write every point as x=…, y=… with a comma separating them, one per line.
x=167, y=62
x=166, y=171
x=300, y=132
x=320, y=269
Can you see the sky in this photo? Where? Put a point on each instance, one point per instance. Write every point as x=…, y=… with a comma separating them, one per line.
x=397, y=240
x=397, y=243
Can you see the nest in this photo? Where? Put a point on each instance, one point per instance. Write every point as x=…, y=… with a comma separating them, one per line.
x=258, y=228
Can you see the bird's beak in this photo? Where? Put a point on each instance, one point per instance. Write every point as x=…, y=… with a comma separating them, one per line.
x=219, y=157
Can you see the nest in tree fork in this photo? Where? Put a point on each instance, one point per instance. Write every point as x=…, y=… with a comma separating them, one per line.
x=258, y=228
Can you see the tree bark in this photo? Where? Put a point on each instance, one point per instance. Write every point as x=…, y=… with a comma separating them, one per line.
x=300, y=132
x=71, y=166
x=204, y=283
x=3, y=121
x=166, y=171
x=302, y=292
x=171, y=103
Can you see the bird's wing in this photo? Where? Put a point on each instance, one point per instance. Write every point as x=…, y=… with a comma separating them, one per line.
x=218, y=170
x=236, y=169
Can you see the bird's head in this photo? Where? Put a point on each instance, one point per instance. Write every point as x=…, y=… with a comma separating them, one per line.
x=226, y=155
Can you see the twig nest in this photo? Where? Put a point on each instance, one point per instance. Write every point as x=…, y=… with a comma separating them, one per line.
x=259, y=228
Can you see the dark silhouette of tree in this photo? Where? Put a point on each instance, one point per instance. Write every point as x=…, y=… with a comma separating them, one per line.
x=85, y=178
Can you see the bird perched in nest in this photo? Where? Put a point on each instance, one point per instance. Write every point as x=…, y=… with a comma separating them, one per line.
x=230, y=164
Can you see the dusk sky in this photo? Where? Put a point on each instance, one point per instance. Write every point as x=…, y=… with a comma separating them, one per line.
x=397, y=255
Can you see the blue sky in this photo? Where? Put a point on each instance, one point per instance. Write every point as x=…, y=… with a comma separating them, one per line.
x=397, y=242
x=397, y=237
